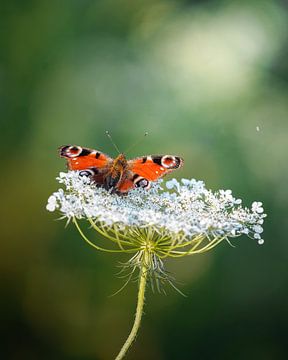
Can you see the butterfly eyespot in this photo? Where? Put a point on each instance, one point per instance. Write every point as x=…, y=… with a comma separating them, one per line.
x=72, y=151
x=75, y=149
x=141, y=182
x=88, y=172
x=170, y=162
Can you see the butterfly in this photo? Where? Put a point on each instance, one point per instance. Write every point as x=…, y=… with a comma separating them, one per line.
x=118, y=175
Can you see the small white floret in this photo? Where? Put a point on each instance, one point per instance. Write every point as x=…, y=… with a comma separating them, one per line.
x=52, y=203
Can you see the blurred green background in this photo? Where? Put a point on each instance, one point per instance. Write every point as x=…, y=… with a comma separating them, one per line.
x=209, y=81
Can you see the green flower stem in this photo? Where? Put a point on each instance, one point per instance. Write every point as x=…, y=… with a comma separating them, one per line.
x=98, y=247
x=139, y=309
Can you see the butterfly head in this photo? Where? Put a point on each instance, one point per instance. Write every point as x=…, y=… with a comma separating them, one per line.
x=120, y=162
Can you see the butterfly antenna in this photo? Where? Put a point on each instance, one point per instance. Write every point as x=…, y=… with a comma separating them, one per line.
x=136, y=143
x=110, y=138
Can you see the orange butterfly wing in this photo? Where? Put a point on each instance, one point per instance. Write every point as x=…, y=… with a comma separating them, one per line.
x=79, y=158
x=155, y=166
x=93, y=163
x=141, y=171
x=125, y=185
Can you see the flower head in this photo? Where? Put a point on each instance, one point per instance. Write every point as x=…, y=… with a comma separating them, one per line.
x=171, y=219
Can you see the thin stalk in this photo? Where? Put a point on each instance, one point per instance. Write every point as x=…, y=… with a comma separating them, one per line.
x=139, y=309
x=98, y=247
x=103, y=232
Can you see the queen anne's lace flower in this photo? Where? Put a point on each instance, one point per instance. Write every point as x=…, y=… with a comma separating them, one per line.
x=172, y=219
x=186, y=214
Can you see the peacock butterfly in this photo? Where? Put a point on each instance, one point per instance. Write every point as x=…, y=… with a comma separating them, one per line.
x=119, y=174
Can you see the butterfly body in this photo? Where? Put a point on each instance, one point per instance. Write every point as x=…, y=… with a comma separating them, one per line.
x=118, y=175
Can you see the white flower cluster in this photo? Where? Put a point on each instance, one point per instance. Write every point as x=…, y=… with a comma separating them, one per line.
x=186, y=208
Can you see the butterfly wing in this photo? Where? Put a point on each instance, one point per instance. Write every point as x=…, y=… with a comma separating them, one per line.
x=154, y=167
x=89, y=162
x=141, y=171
